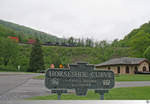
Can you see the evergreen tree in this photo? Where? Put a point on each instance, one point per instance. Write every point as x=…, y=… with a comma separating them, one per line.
x=71, y=41
x=36, y=63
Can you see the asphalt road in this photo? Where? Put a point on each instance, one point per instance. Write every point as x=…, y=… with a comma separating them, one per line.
x=16, y=86
x=132, y=84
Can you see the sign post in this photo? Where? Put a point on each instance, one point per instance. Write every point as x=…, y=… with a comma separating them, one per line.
x=59, y=92
x=101, y=92
x=80, y=77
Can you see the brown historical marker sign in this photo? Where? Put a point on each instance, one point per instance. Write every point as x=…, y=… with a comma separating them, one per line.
x=80, y=77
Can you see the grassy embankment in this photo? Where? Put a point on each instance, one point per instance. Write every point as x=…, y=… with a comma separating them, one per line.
x=53, y=55
x=131, y=93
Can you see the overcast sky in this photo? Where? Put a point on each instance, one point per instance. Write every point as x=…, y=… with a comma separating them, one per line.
x=97, y=19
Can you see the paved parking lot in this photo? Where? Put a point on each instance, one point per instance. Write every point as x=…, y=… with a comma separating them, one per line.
x=15, y=86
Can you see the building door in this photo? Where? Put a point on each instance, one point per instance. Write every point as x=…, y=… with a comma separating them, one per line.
x=135, y=70
x=108, y=68
x=144, y=68
x=118, y=69
x=127, y=69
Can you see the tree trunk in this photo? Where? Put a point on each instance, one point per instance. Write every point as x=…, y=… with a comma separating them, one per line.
x=6, y=62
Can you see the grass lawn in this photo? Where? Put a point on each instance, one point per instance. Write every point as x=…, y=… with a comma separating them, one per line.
x=9, y=71
x=39, y=77
x=130, y=93
x=136, y=77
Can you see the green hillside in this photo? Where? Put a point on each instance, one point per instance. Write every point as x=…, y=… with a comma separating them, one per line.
x=12, y=29
x=133, y=45
x=138, y=40
x=62, y=55
x=145, y=28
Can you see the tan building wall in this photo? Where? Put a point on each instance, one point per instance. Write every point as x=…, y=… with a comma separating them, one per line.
x=123, y=68
x=143, y=64
x=115, y=69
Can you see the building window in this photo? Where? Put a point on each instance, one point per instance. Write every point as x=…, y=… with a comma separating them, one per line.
x=118, y=69
x=135, y=69
x=144, y=68
x=127, y=69
x=108, y=68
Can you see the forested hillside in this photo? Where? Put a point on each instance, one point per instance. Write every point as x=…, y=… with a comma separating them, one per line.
x=138, y=40
x=24, y=33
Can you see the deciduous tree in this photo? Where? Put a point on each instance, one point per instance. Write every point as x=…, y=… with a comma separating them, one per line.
x=8, y=50
x=147, y=53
